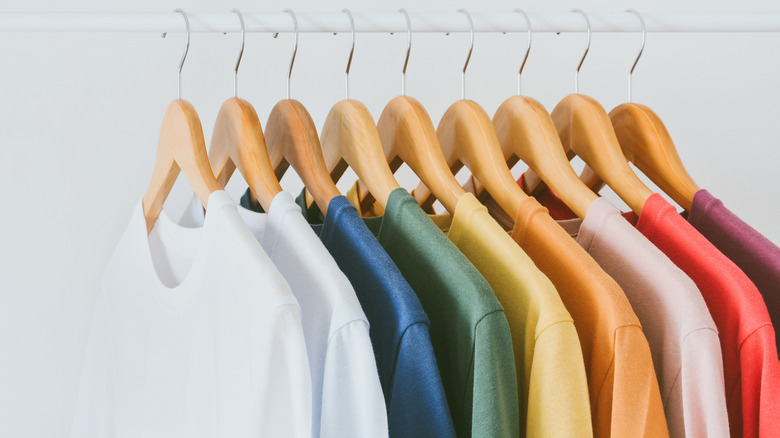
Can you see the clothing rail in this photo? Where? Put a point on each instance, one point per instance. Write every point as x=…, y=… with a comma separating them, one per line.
x=384, y=22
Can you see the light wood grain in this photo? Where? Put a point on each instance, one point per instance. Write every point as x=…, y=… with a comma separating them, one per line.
x=408, y=136
x=585, y=130
x=350, y=138
x=646, y=143
x=292, y=139
x=238, y=142
x=181, y=147
x=526, y=132
x=467, y=137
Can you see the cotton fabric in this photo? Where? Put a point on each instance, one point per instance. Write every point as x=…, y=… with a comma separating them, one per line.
x=469, y=331
x=347, y=398
x=195, y=333
x=399, y=328
x=753, y=253
x=682, y=336
x=751, y=369
x=625, y=398
x=552, y=386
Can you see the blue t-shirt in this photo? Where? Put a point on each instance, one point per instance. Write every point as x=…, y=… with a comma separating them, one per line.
x=399, y=328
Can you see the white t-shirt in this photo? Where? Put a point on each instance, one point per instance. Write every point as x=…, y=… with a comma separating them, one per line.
x=346, y=392
x=195, y=334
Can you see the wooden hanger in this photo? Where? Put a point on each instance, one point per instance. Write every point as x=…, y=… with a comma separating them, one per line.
x=350, y=138
x=585, y=129
x=646, y=143
x=238, y=142
x=181, y=147
x=292, y=139
x=408, y=135
x=526, y=132
x=467, y=137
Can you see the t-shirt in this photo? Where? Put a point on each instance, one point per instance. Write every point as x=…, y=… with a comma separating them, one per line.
x=469, y=331
x=751, y=368
x=624, y=396
x=551, y=382
x=676, y=322
x=399, y=329
x=753, y=253
x=195, y=334
x=347, y=399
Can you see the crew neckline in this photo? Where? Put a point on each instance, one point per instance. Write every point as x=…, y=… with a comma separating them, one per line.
x=181, y=240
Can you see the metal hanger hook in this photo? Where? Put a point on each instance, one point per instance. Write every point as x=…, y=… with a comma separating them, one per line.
x=186, y=49
x=295, y=48
x=408, y=49
x=527, y=51
x=240, y=53
x=468, y=57
x=641, y=49
x=584, y=55
x=351, y=51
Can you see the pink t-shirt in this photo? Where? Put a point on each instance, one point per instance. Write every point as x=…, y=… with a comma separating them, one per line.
x=750, y=364
x=682, y=335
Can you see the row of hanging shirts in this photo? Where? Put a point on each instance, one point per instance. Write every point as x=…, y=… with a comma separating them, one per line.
x=372, y=315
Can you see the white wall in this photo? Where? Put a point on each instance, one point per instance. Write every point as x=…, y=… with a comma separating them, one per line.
x=80, y=113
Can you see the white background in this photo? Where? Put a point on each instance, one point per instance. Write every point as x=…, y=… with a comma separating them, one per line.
x=80, y=113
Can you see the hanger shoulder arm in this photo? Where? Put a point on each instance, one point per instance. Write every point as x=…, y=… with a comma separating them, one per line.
x=292, y=138
x=646, y=143
x=238, y=142
x=350, y=138
x=181, y=147
x=408, y=135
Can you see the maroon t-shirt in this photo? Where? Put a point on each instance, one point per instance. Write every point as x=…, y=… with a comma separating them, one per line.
x=747, y=248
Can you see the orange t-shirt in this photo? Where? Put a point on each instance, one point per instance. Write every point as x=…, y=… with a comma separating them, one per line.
x=624, y=395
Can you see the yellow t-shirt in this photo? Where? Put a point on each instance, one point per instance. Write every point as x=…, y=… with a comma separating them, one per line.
x=552, y=385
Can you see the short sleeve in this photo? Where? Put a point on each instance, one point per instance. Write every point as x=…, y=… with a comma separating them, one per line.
x=637, y=409
x=558, y=399
x=353, y=404
x=495, y=406
x=696, y=405
x=760, y=385
x=418, y=405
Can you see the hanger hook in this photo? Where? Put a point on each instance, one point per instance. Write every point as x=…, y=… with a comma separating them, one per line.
x=241, y=53
x=186, y=49
x=408, y=49
x=295, y=48
x=587, y=48
x=527, y=51
x=468, y=57
x=641, y=49
x=352, y=50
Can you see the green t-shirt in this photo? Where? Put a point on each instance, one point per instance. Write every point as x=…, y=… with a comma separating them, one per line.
x=469, y=331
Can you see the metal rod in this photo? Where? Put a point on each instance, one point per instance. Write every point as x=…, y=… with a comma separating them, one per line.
x=381, y=22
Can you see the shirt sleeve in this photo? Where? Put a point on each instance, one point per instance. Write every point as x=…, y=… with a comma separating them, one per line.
x=417, y=403
x=353, y=404
x=495, y=408
x=286, y=403
x=558, y=398
x=637, y=409
x=697, y=401
x=760, y=384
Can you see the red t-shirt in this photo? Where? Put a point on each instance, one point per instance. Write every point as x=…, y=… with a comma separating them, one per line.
x=750, y=364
